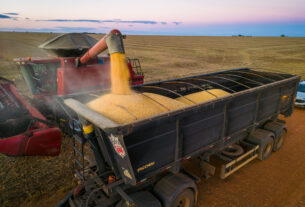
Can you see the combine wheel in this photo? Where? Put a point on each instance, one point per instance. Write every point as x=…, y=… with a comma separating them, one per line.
x=233, y=151
x=279, y=129
x=265, y=140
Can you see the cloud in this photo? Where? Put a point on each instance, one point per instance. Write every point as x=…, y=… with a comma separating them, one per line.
x=19, y=29
x=55, y=29
x=6, y=16
x=11, y=13
x=163, y=23
x=70, y=20
x=75, y=29
x=100, y=21
x=2, y=16
x=131, y=22
x=177, y=23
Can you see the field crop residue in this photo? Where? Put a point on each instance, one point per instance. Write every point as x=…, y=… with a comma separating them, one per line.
x=33, y=181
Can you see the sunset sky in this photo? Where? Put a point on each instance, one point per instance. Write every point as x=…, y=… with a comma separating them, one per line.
x=157, y=17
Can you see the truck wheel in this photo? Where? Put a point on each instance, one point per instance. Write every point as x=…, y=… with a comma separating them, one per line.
x=233, y=151
x=279, y=129
x=185, y=199
x=265, y=140
x=280, y=141
x=176, y=190
x=266, y=149
x=141, y=199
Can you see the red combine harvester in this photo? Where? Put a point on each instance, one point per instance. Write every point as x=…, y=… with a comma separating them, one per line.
x=73, y=68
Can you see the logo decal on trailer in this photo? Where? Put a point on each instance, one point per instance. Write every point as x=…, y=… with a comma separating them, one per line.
x=117, y=145
x=127, y=174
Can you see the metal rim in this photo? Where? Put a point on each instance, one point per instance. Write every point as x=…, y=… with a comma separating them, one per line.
x=184, y=202
x=267, y=150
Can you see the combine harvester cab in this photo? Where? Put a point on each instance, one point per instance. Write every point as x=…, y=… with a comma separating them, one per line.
x=23, y=129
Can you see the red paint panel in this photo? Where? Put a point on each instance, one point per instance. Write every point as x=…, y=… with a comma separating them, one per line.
x=13, y=146
x=44, y=142
x=73, y=79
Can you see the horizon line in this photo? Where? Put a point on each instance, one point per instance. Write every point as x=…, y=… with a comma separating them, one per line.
x=178, y=35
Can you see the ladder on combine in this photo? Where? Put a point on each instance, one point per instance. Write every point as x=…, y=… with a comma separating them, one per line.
x=79, y=158
x=82, y=162
x=136, y=66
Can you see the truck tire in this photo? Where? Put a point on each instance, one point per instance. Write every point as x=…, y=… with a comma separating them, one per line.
x=141, y=199
x=279, y=129
x=280, y=141
x=233, y=151
x=185, y=199
x=265, y=140
x=175, y=190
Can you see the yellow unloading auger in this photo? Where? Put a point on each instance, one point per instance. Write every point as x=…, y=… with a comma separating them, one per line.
x=120, y=74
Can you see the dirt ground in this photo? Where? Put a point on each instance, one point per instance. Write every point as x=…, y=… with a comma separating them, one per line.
x=276, y=182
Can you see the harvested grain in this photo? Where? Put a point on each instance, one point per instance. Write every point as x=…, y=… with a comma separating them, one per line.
x=127, y=108
x=202, y=96
x=120, y=75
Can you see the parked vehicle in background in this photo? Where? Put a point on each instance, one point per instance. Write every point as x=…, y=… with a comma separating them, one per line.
x=300, y=98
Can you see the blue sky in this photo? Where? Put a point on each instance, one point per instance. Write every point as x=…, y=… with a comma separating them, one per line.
x=158, y=17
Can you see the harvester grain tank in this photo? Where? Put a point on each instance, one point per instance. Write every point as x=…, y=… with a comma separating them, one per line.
x=138, y=163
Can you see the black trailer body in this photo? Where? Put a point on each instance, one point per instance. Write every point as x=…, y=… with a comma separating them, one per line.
x=142, y=150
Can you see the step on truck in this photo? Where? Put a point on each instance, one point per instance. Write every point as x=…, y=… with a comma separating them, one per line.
x=140, y=163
